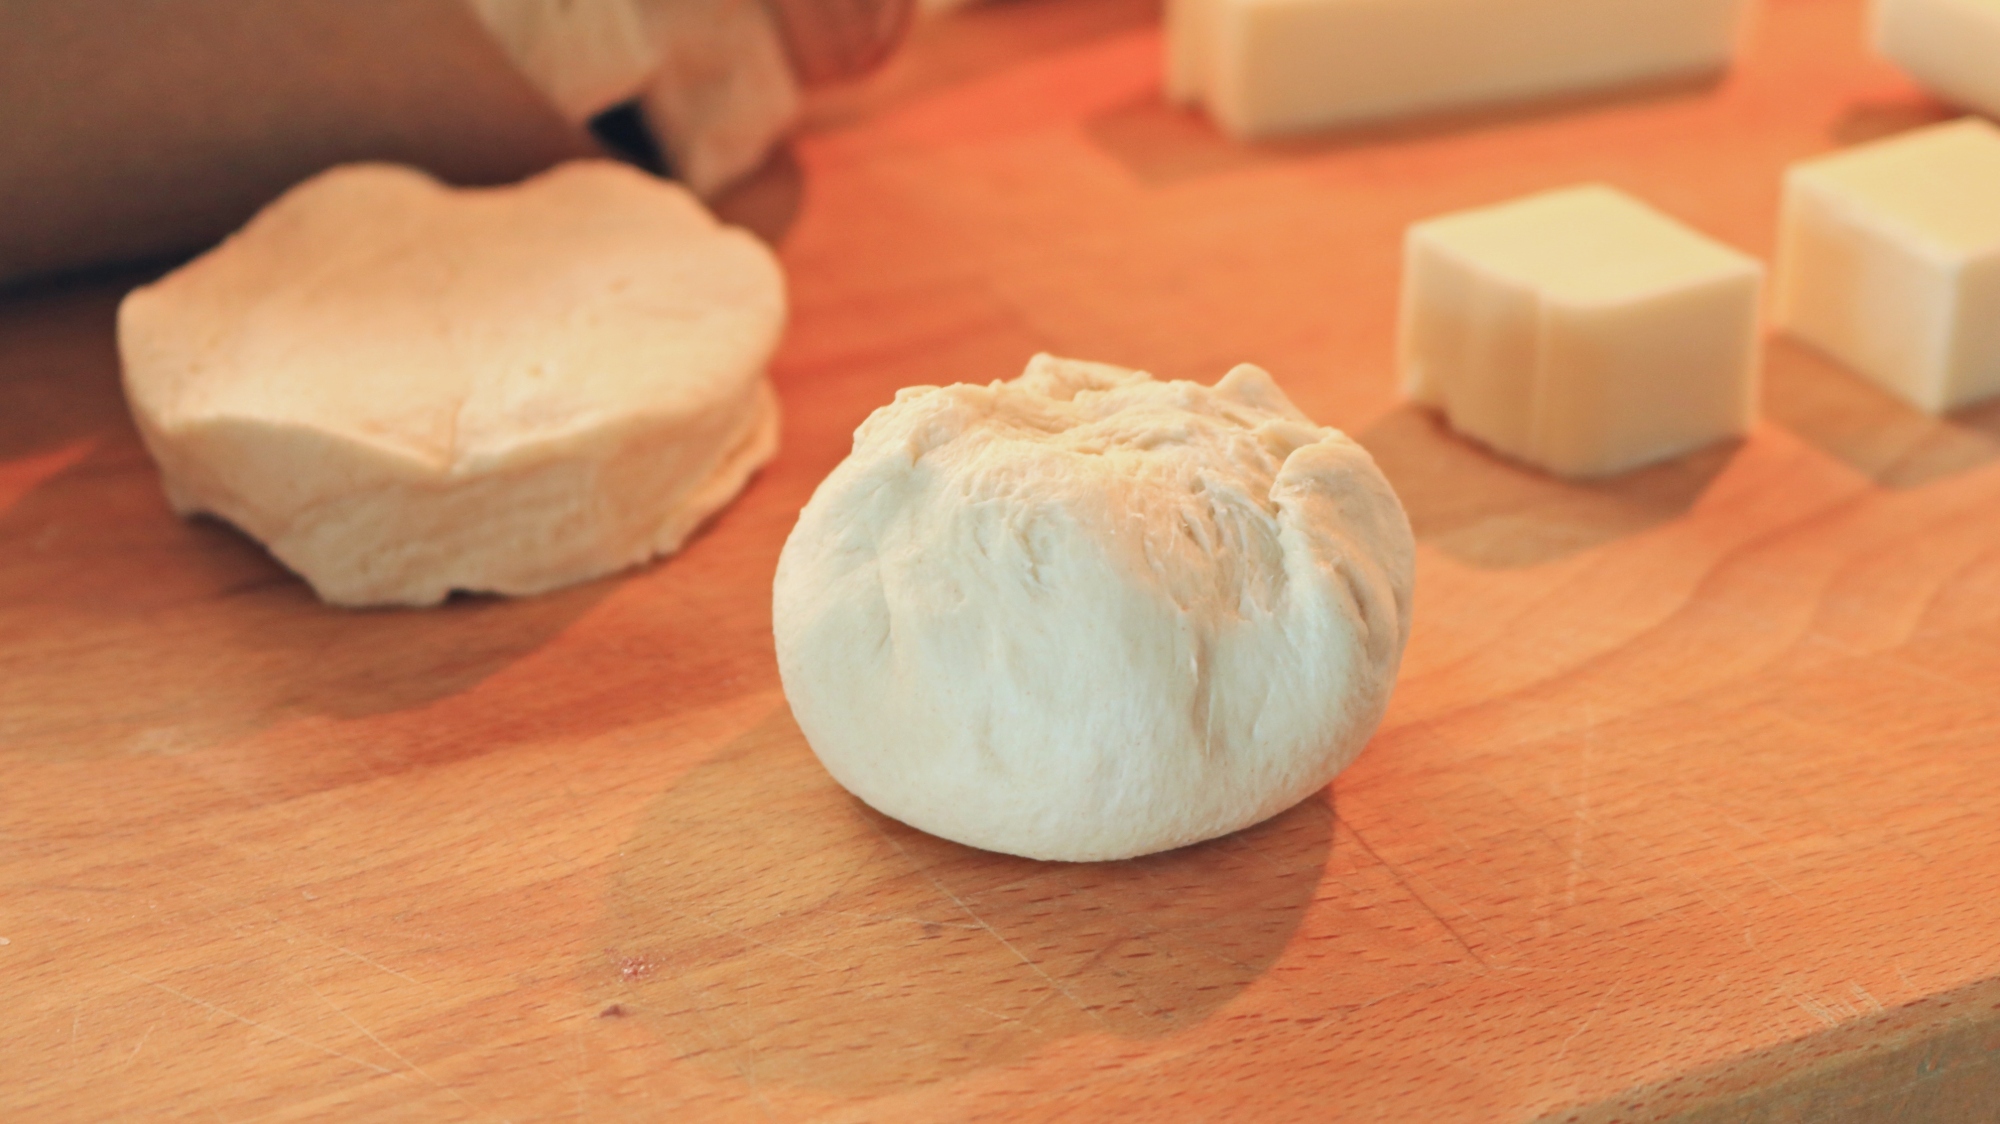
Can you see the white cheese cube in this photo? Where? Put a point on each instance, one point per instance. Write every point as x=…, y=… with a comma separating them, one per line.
x=1580, y=330
x=1889, y=261
x=1952, y=46
x=1273, y=66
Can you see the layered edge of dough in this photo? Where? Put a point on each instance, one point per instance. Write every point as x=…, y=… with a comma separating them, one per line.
x=367, y=522
x=993, y=643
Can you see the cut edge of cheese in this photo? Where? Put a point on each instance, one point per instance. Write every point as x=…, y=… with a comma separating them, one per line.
x=1323, y=64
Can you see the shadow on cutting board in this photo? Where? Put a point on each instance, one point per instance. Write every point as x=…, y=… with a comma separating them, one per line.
x=766, y=923
x=766, y=202
x=1491, y=513
x=1866, y=121
x=1160, y=143
x=129, y=630
x=1873, y=432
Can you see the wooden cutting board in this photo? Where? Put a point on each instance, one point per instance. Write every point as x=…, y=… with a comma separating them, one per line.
x=1688, y=806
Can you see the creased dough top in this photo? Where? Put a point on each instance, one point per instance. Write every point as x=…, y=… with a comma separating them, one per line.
x=459, y=327
x=1173, y=478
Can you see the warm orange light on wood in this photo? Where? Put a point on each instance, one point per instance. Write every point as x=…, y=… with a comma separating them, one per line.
x=1686, y=804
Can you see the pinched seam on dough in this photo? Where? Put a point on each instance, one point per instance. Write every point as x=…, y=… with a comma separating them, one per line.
x=1107, y=413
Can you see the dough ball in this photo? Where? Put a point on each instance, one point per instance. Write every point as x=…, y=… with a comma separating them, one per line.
x=403, y=389
x=1086, y=615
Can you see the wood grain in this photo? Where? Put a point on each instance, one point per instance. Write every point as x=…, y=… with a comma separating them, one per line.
x=1685, y=808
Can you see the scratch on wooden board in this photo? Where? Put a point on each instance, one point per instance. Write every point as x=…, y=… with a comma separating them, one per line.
x=1047, y=994
x=1831, y=821
x=1581, y=815
x=582, y=1063
x=1150, y=934
x=134, y=1055
x=1719, y=901
x=728, y=930
x=386, y=1048
x=738, y=1040
x=748, y=1071
x=68, y=887
x=1238, y=842
x=880, y=917
x=1184, y=939
x=981, y=922
x=1810, y=1006
x=1165, y=939
x=1723, y=845
x=1975, y=561
x=1863, y=994
x=1000, y=1018
x=377, y=965
x=221, y=1010
x=1470, y=851
x=203, y=890
x=1583, y=1024
x=1397, y=874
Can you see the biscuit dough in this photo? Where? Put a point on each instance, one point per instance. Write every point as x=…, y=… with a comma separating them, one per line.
x=1087, y=615
x=403, y=389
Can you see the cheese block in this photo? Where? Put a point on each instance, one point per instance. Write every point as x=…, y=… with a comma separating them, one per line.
x=1889, y=261
x=1952, y=46
x=1580, y=330
x=1264, y=67
x=404, y=389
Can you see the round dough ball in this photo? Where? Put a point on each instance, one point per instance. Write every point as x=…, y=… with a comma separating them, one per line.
x=1086, y=615
x=403, y=389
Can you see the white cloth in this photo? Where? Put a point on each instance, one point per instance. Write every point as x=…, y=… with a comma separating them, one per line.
x=711, y=75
